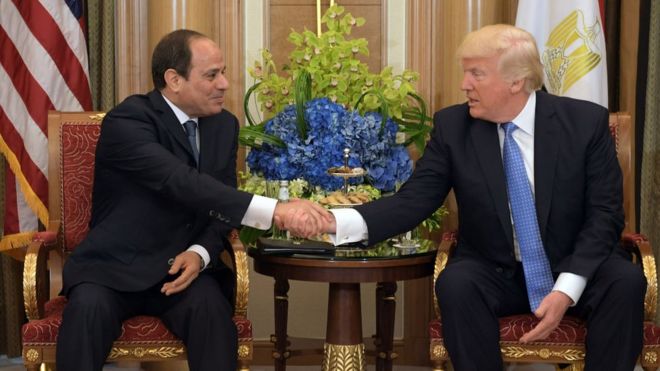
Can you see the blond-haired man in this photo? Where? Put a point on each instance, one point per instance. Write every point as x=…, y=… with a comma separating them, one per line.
x=539, y=194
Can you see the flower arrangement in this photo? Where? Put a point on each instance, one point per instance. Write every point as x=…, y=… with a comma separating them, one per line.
x=331, y=129
x=326, y=101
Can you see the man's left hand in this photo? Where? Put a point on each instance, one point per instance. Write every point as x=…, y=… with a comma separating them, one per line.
x=550, y=312
x=189, y=264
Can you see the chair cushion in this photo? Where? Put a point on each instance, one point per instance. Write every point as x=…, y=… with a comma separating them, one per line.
x=570, y=330
x=136, y=329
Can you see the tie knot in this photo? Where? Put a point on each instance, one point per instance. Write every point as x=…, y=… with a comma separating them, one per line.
x=191, y=128
x=509, y=127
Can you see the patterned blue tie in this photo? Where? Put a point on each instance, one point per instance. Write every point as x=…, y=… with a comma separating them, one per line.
x=191, y=131
x=538, y=275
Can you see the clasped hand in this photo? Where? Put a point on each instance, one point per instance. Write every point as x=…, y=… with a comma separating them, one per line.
x=303, y=218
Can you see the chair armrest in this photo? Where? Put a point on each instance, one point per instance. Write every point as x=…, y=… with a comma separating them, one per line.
x=447, y=246
x=641, y=249
x=35, y=271
x=242, y=276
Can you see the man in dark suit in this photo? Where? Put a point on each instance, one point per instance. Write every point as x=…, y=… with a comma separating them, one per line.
x=574, y=183
x=164, y=202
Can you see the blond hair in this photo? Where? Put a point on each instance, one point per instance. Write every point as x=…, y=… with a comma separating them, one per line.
x=519, y=57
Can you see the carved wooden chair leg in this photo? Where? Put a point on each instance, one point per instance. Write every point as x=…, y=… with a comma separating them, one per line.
x=243, y=366
x=32, y=367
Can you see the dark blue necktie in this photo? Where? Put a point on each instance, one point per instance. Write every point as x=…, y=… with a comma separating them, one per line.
x=538, y=275
x=191, y=131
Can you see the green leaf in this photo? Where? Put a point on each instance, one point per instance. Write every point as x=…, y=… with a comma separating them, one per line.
x=249, y=235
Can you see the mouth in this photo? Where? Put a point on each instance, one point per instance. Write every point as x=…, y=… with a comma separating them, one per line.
x=471, y=101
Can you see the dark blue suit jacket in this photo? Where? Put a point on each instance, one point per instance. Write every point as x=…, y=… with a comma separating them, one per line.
x=578, y=186
x=149, y=201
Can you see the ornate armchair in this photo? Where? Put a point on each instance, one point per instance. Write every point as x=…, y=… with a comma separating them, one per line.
x=565, y=345
x=71, y=147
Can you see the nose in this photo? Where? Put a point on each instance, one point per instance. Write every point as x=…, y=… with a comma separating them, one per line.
x=466, y=84
x=222, y=82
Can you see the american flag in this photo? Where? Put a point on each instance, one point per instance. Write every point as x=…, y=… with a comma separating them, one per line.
x=43, y=66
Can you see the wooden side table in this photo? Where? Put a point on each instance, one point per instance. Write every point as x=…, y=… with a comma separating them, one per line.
x=343, y=349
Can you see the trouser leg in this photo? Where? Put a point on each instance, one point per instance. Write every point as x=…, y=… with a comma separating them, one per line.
x=613, y=305
x=91, y=321
x=202, y=317
x=472, y=295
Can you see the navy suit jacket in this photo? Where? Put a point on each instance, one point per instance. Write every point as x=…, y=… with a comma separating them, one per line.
x=578, y=186
x=150, y=202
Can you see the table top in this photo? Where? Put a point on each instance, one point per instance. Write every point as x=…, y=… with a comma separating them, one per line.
x=324, y=251
x=381, y=263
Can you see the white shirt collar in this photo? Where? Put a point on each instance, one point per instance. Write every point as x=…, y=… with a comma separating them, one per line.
x=180, y=115
x=525, y=119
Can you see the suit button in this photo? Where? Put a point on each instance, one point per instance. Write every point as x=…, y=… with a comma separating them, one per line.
x=212, y=213
x=170, y=261
x=499, y=270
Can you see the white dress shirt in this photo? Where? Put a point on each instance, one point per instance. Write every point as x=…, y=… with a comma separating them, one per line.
x=351, y=227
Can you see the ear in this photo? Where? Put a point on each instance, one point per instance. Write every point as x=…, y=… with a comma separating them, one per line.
x=517, y=86
x=173, y=80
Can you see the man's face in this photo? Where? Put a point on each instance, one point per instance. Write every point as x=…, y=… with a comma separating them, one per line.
x=202, y=93
x=489, y=95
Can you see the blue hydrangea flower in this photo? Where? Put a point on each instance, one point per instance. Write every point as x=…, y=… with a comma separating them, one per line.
x=331, y=128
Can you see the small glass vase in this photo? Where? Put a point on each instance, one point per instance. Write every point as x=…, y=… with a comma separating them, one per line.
x=272, y=191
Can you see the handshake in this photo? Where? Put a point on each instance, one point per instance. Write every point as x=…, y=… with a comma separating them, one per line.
x=304, y=218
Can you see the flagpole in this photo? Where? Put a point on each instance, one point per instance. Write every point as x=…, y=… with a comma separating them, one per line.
x=318, y=17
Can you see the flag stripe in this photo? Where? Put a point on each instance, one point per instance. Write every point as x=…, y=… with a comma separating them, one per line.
x=40, y=21
x=26, y=86
x=68, y=63
x=43, y=65
x=19, y=157
x=37, y=59
x=20, y=127
x=69, y=27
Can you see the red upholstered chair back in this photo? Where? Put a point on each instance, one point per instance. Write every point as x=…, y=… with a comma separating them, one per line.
x=78, y=146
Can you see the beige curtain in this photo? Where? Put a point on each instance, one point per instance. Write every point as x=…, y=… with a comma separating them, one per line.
x=650, y=182
x=101, y=40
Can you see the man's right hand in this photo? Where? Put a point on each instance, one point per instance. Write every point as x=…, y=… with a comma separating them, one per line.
x=302, y=218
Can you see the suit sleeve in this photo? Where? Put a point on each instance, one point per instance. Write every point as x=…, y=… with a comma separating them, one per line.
x=603, y=210
x=130, y=143
x=214, y=237
x=418, y=198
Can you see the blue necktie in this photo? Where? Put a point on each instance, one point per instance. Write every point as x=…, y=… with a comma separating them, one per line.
x=538, y=275
x=191, y=131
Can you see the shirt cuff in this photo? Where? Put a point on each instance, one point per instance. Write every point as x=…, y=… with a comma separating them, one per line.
x=201, y=251
x=351, y=226
x=571, y=284
x=260, y=212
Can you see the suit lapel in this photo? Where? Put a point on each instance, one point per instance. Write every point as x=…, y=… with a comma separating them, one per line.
x=169, y=120
x=206, y=140
x=546, y=146
x=486, y=143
